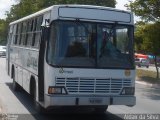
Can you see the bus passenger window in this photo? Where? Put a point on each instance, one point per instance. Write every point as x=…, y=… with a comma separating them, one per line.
x=19, y=33
x=15, y=34
x=29, y=33
x=37, y=32
x=23, y=34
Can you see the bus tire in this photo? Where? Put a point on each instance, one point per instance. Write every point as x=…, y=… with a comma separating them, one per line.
x=100, y=110
x=15, y=85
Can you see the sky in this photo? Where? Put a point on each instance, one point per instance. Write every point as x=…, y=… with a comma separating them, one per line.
x=5, y=5
x=120, y=4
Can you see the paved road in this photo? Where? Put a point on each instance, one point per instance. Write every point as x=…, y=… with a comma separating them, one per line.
x=148, y=101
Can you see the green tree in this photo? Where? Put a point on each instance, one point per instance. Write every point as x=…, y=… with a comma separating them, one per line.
x=151, y=40
x=109, y=3
x=24, y=8
x=148, y=35
x=3, y=32
x=148, y=10
x=138, y=36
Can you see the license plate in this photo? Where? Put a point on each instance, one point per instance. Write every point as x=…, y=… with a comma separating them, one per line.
x=95, y=100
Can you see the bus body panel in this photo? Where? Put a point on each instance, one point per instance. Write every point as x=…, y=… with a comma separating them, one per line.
x=25, y=57
x=25, y=62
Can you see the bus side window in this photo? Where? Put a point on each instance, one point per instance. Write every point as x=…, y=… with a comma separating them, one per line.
x=34, y=31
x=23, y=33
x=19, y=33
x=29, y=34
x=16, y=35
x=37, y=32
x=10, y=34
x=14, y=40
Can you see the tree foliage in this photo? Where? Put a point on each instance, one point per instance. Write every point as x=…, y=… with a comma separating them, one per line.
x=3, y=32
x=147, y=36
x=147, y=39
x=138, y=38
x=151, y=38
x=149, y=10
x=151, y=41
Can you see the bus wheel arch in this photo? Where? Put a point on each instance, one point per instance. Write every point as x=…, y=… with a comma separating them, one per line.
x=33, y=93
x=15, y=85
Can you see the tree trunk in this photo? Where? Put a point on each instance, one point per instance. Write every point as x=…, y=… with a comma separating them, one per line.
x=157, y=69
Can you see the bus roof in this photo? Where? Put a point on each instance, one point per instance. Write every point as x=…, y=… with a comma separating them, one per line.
x=32, y=15
x=41, y=12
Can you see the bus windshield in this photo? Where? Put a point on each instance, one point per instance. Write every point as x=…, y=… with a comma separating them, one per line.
x=91, y=45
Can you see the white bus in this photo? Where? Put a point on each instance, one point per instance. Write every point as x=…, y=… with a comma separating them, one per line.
x=74, y=56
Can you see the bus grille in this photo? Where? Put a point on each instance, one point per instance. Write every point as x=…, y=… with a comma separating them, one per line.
x=93, y=86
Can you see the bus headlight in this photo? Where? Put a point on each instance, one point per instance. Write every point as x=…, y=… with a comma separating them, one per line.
x=128, y=91
x=56, y=90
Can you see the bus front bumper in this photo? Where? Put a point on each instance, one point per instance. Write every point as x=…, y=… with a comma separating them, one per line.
x=69, y=100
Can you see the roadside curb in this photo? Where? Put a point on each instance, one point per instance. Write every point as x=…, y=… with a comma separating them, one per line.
x=148, y=84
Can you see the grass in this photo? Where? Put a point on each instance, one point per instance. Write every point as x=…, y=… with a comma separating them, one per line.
x=147, y=76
